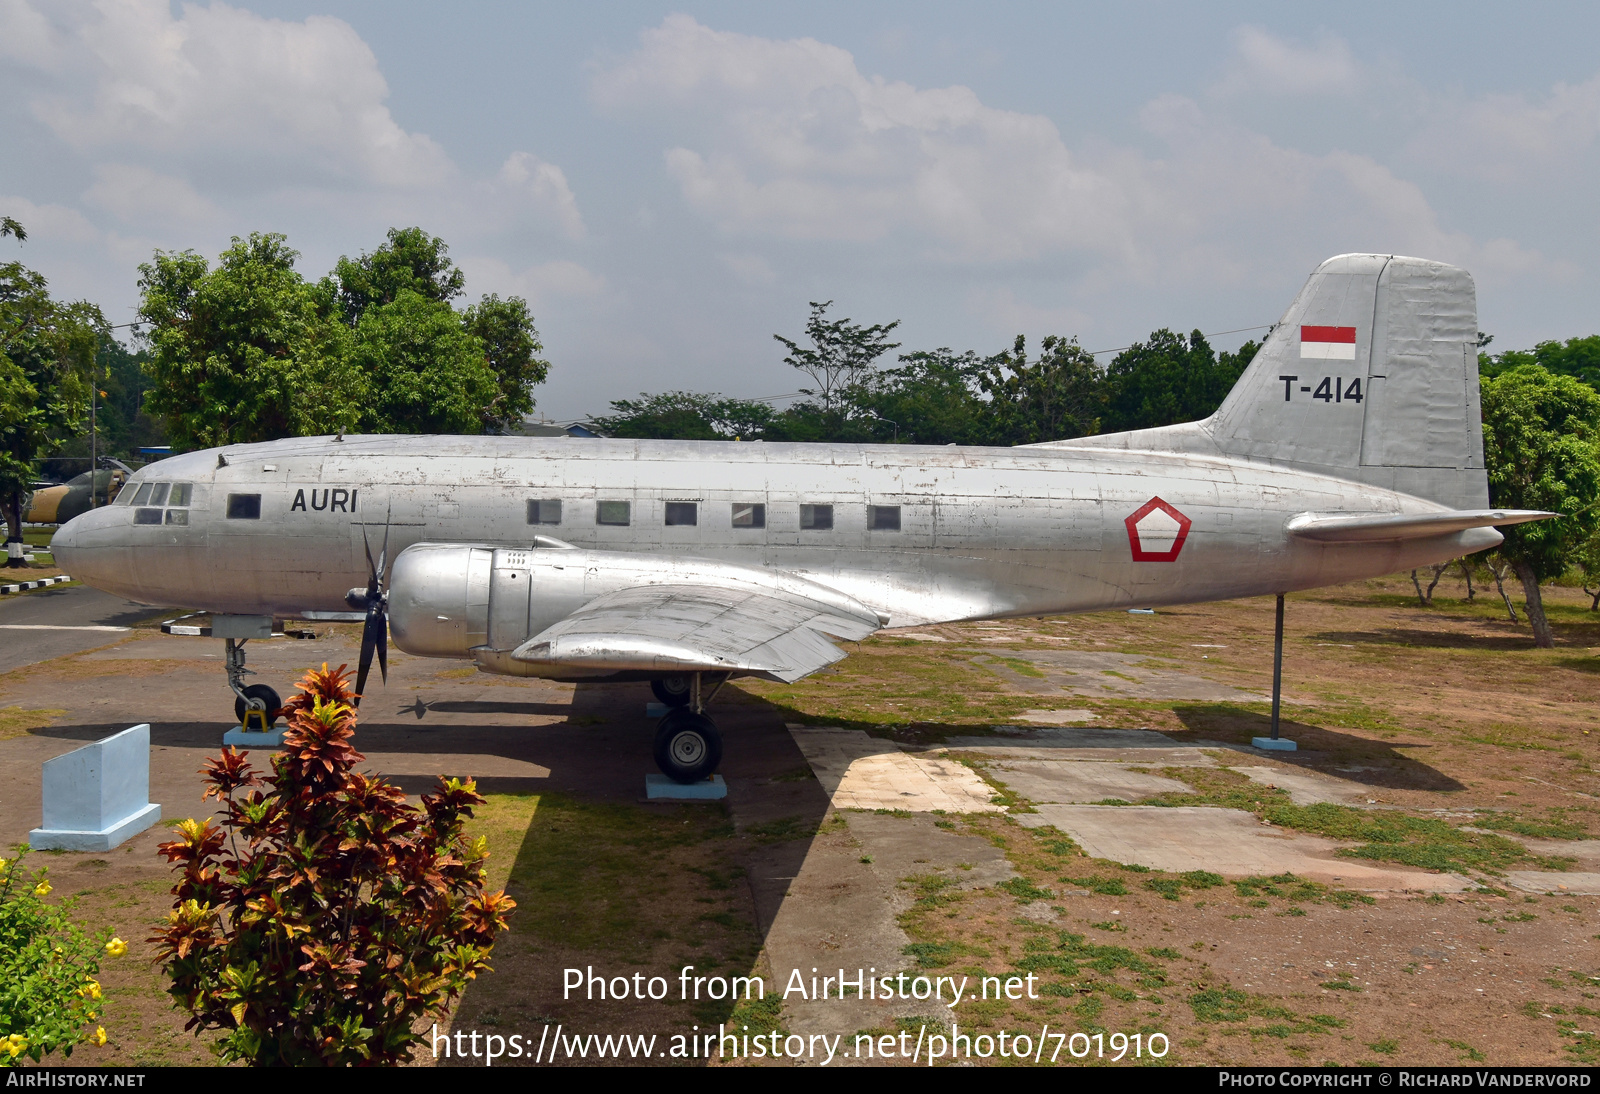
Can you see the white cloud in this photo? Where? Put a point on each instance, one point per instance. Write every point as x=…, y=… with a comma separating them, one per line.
x=1513, y=139
x=538, y=284
x=528, y=182
x=49, y=224
x=790, y=139
x=1263, y=62
x=138, y=195
x=749, y=269
x=267, y=97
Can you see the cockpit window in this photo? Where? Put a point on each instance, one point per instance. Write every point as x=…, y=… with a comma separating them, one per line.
x=142, y=496
x=147, y=516
x=177, y=516
x=158, y=492
x=181, y=492
x=244, y=506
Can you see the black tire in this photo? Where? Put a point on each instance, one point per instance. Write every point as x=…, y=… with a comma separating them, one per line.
x=688, y=746
x=674, y=691
x=267, y=696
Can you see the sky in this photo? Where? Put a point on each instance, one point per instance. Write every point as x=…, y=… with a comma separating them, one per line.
x=671, y=185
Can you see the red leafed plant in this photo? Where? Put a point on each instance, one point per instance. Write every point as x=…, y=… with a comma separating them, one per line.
x=324, y=916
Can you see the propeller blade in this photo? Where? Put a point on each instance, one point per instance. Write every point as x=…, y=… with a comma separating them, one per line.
x=364, y=666
x=383, y=643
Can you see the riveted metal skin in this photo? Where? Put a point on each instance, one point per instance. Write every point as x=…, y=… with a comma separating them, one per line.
x=1379, y=469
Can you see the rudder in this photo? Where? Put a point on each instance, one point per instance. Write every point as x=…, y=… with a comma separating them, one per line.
x=1371, y=374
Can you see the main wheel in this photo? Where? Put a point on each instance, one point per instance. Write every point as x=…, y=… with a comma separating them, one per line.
x=688, y=746
x=674, y=691
x=266, y=695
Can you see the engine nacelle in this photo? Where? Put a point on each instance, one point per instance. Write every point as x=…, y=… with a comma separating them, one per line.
x=448, y=600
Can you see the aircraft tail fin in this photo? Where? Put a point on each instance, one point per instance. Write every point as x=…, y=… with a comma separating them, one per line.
x=1371, y=375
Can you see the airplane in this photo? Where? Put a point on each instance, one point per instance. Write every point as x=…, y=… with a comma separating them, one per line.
x=1351, y=447
x=59, y=503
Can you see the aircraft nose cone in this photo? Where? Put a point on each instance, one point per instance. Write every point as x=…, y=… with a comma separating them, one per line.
x=91, y=547
x=65, y=542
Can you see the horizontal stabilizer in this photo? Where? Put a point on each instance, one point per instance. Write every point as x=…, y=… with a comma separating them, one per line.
x=1373, y=527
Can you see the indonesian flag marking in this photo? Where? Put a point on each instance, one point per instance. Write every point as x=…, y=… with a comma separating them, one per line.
x=1328, y=343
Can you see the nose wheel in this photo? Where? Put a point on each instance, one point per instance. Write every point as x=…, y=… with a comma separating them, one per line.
x=256, y=706
x=247, y=704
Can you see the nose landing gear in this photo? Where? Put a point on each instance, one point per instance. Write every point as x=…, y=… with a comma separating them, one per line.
x=688, y=745
x=256, y=706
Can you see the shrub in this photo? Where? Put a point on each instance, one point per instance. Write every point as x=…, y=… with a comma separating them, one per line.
x=325, y=916
x=48, y=993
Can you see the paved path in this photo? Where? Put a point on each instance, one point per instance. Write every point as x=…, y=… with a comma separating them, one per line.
x=52, y=623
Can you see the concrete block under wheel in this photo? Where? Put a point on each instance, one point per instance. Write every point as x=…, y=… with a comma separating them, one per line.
x=661, y=788
x=656, y=710
x=97, y=796
x=1276, y=744
x=241, y=738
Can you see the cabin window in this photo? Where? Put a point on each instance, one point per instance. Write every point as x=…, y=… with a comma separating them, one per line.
x=883, y=518
x=817, y=517
x=142, y=496
x=611, y=512
x=749, y=516
x=244, y=506
x=683, y=512
x=177, y=516
x=158, y=492
x=546, y=511
x=181, y=493
x=147, y=516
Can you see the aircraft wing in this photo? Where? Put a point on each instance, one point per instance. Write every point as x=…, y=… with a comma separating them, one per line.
x=777, y=633
x=1371, y=527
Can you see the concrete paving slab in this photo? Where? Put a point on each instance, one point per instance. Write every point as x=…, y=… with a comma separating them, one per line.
x=1307, y=787
x=840, y=912
x=1056, y=717
x=1230, y=842
x=1586, y=851
x=1087, y=744
x=1069, y=781
x=1555, y=881
x=1096, y=674
x=862, y=772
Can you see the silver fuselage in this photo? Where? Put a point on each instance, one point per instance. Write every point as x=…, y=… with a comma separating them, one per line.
x=983, y=532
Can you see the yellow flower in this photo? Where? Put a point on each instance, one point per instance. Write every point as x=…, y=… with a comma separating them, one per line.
x=91, y=989
x=116, y=947
x=99, y=1037
x=42, y=889
x=17, y=1043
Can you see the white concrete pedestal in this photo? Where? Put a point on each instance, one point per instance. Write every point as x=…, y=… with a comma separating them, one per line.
x=97, y=796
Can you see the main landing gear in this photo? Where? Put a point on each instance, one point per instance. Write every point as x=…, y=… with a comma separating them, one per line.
x=256, y=706
x=688, y=744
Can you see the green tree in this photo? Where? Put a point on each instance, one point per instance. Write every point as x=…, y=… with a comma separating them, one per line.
x=1576, y=357
x=1541, y=441
x=248, y=351
x=840, y=351
x=422, y=370
x=686, y=416
x=511, y=347
x=46, y=349
x=1059, y=396
x=931, y=398
x=1169, y=379
x=412, y=259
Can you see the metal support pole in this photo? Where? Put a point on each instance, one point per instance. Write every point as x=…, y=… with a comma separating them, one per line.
x=1277, y=669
